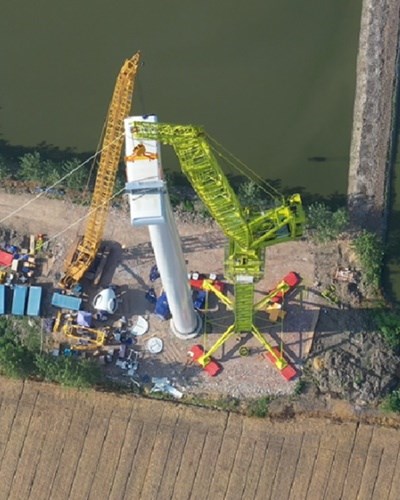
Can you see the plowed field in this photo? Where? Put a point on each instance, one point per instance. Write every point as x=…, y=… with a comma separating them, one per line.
x=62, y=444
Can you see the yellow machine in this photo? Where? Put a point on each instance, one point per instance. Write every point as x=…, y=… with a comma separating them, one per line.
x=249, y=232
x=84, y=338
x=82, y=256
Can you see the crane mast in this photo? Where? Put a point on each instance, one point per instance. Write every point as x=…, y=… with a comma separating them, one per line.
x=88, y=246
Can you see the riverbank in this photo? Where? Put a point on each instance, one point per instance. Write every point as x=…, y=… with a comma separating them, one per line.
x=374, y=115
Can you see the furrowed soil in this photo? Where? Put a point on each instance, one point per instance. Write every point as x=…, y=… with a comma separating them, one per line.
x=65, y=444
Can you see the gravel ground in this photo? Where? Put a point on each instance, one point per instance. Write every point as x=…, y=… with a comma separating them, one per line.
x=129, y=268
x=244, y=377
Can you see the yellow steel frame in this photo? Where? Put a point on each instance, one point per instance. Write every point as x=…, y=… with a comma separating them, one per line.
x=91, y=343
x=280, y=361
x=119, y=109
x=248, y=234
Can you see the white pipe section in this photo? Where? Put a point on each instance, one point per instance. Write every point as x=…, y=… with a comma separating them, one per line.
x=171, y=266
x=150, y=206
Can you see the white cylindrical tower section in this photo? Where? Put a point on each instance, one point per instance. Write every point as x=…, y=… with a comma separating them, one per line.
x=171, y=266
x=150, y=205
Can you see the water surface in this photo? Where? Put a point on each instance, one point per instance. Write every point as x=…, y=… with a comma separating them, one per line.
x=272, y=81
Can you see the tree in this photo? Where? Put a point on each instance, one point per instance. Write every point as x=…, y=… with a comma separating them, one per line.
x=253, y=197
x=324, y=224
x=50, y=173
x=76, y=181
x=30, y=167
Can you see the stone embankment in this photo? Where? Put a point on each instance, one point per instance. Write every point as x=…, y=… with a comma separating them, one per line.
x=374, y=114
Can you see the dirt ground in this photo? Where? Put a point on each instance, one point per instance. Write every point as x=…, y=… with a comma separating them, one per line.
x=129, y=267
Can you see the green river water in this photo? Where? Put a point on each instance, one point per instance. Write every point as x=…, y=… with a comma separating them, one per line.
x=272, y=81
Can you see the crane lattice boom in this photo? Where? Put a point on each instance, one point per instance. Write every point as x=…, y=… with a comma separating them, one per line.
x=119, y=109
x=204, y=173
x=248, y=233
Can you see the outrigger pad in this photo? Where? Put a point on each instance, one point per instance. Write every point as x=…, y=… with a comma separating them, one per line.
x=289, y=372
x=212, y=368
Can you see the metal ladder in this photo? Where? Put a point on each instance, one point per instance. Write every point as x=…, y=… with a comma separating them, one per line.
x=244, y=298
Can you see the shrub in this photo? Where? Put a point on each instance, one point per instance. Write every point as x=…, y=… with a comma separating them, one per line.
x=300, y=387
x=50, y=173
x=77, y=181
x=388, y=324
x=392, y=402
x=369, y=250
x=28, y=332
x=5, y=171
x=258, y=407
x=16, y=360
x=30, y=167
x=324, y=224
x=253, y=197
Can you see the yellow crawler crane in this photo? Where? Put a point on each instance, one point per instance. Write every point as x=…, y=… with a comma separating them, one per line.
x=83, y=255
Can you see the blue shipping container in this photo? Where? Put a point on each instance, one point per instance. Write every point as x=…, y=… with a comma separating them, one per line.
x=34, y=301
x=66, y=301
x=2, y=299
x=19, y=300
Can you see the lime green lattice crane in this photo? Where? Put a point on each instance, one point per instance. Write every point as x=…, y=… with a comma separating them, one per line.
x=248, y=233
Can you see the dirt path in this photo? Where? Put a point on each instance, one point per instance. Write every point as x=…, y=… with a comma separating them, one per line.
x=203, y=247
x=63, y=444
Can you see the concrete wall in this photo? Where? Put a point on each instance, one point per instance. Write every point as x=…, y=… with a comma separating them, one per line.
x=374, y=107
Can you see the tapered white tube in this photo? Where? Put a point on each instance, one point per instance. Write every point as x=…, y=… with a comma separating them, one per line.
x=150, y=205
x=171, y=266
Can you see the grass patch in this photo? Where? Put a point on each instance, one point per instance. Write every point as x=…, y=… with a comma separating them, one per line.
x=388, y=324
x=258, y=407
x=229, y=404
x=67, y=371
x=391, y=403
x=370, y=252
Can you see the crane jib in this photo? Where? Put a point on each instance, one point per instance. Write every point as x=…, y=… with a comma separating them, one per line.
x=204, y=173
x=110, y=154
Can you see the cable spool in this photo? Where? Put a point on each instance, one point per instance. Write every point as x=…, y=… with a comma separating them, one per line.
x=244, y=351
